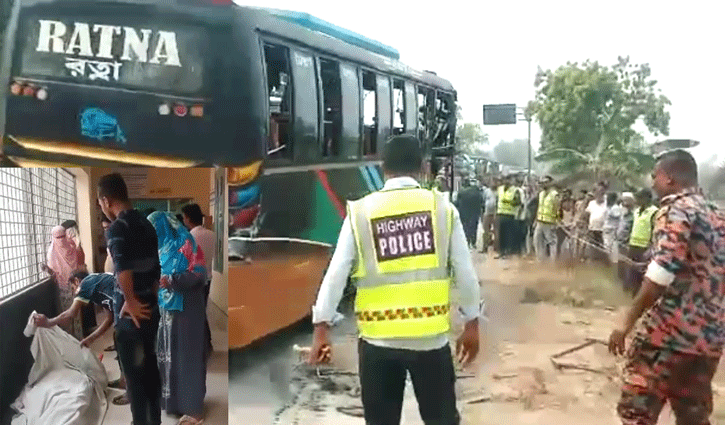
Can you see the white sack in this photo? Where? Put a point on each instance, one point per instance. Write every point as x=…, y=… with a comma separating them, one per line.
x=66, y=385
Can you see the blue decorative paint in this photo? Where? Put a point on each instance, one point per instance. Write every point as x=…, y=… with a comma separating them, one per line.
x=376, y=176
x=366, y=177
x=244, y=197
x=99, y=125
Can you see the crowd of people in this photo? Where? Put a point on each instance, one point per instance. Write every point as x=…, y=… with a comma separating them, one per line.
x=154, y=289
x=558, y=225
x=668, y=245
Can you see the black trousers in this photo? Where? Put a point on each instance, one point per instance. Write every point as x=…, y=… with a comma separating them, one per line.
x=383, y=373
x=470, y=228
x=209, y=346
x=507, y=232
x=88, y=315
x=136, y=349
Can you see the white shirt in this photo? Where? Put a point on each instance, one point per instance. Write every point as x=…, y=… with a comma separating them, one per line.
x=489, y=201
x=341, y=265
x=206, y=239
x=597, y=215
x=612, y=218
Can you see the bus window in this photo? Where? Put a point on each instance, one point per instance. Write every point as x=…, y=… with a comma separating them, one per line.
x=444, y=118
x=399, y=105
x=370, y=132
x=410, y=110
x=279, y=143
x=350, y=111
x=425, y=113
x=332, y=107
x=422, y=122
x=385, y=106
x=306, y=107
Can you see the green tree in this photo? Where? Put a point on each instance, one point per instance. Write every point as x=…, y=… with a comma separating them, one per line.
x=471, y=138
x=512, y=153
x=587, y=113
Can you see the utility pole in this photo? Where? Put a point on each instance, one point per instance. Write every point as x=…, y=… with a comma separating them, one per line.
x=528, y=176
x=524, y=115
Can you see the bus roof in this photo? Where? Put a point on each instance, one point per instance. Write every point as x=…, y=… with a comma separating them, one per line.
x=308, y=21
x=297, y=28
x=266, y=22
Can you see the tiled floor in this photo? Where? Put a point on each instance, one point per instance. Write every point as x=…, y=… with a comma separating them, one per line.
x=217, y=384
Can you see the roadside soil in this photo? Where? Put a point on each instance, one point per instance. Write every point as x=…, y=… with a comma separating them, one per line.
x=533, y=312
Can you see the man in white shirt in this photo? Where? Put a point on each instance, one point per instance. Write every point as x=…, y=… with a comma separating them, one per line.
x=401, y=331
x=206, y=239
x=611, y=222
x=597, y=213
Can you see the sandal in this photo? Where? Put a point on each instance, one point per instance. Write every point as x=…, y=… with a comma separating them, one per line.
x=188, y=420
x=121, y=400
x=116, y=384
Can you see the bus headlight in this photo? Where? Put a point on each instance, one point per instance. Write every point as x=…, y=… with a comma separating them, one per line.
x=164, y=109
x=42, y=94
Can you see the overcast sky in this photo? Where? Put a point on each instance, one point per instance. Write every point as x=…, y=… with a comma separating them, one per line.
x=490, y=52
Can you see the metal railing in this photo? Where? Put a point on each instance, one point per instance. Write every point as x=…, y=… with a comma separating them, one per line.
x=32, y=202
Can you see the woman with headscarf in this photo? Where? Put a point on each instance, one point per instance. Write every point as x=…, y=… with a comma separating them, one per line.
x=63, y=262
x=72, y=233
x=181, y=347
x=88, y=312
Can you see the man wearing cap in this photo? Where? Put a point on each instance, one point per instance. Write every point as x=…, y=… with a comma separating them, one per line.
x=403, y=246
x=546, y=218
x=640, y=238
x=611, y=222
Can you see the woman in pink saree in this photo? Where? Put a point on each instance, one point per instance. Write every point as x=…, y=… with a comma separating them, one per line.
x=63, y=260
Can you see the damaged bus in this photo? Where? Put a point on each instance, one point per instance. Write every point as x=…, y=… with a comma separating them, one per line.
x=334, y=97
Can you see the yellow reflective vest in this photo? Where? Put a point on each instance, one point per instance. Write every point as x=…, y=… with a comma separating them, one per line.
x=401, y=273
x=642, y=227
x=506, y=200
x=547, y=207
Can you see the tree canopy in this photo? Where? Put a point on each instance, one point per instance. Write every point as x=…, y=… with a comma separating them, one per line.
x=471, y=138
x=587, y=114
x=513, y=153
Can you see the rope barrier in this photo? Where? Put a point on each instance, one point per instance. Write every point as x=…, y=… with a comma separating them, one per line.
x=620, y=257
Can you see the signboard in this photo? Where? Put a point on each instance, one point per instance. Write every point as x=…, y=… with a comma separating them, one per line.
x=161, y=191
x=137, y=183
x=139, y=45
x=499, y=114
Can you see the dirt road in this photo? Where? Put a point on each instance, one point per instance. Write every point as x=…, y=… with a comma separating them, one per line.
x=533, y=313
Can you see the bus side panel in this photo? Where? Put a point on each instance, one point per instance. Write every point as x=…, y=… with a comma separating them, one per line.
x=287, y=204
x=279, y=283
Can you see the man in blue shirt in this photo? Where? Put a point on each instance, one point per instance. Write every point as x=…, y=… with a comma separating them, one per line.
x=95, y=289
x=133, y=245
x=92, y=289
